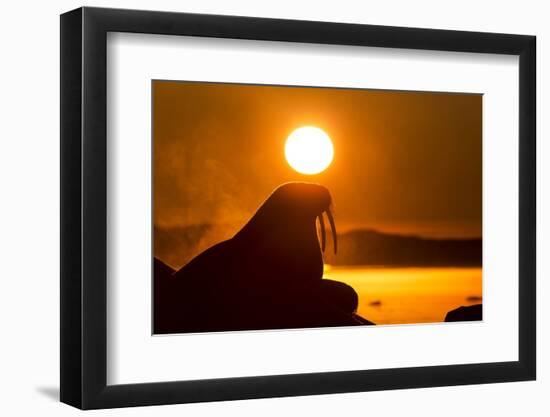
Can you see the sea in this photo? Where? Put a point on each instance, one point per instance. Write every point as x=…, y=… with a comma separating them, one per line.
x=390, y=295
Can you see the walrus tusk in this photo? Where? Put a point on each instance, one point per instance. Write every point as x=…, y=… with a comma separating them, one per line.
x=323, y=232
x=333, y=230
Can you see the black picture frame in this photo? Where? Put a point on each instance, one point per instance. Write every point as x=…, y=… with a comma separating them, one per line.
x=84, y=207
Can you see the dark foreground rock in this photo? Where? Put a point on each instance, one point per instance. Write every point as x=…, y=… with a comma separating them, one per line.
x=470, y=313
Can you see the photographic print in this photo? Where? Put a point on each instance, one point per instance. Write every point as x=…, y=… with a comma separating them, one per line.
x=284, y=207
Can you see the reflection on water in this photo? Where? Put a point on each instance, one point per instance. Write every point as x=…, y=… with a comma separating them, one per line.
x=409, y=295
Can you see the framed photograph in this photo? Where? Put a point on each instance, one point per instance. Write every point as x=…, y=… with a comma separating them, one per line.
x=257, y=207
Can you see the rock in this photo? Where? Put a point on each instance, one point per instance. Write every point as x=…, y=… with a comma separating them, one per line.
x=470, y=313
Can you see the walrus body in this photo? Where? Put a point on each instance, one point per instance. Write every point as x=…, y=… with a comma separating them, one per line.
x=269, y=275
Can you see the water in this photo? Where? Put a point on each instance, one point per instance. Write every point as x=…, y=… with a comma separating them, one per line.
x=410, y=295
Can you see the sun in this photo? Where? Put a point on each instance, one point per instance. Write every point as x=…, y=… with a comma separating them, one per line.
x=309, y=150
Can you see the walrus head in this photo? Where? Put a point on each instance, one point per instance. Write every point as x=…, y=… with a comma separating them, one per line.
x=296, y=203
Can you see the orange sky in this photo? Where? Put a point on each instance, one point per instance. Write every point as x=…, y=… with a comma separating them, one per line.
x=404, y=162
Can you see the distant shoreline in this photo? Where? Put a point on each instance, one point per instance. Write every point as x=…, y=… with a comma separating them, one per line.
x=359, y=247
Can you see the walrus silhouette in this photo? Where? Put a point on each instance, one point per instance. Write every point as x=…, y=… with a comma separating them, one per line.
x=269, y=275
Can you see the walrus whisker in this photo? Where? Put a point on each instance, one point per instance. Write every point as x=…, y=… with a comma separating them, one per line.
x=333, y=230
x=323, y=232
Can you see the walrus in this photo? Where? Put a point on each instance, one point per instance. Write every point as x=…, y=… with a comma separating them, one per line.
x=269, y=275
